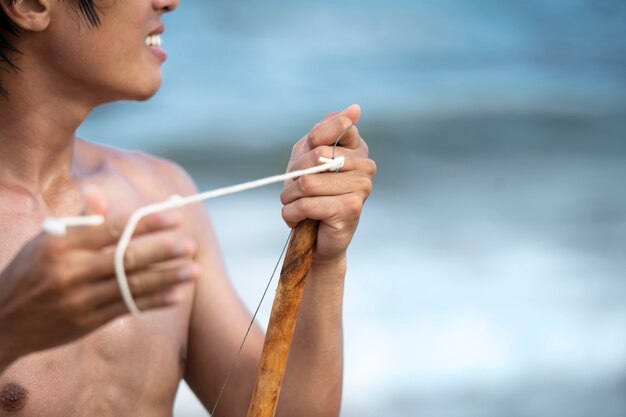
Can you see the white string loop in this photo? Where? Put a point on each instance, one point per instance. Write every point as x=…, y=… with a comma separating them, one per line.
x=58, y=227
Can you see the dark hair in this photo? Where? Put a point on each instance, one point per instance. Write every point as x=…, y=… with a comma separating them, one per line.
x=86, y=10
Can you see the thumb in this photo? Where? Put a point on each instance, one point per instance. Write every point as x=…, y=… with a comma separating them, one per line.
x=95, y=202
x=352, y=112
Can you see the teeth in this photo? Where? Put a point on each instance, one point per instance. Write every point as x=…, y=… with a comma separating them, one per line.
x=153, y=40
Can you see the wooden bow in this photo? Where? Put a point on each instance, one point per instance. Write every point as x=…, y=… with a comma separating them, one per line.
x=283, y=320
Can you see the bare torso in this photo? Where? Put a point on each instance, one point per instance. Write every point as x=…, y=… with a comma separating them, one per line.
x=132, y=366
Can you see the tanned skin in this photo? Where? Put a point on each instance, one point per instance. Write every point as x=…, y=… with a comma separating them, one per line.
x=67, y=345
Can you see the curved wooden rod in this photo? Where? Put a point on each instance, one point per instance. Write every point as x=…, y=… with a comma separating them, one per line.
x=283, y=320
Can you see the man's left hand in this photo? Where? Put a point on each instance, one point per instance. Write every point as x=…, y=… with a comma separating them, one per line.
x=336, y=199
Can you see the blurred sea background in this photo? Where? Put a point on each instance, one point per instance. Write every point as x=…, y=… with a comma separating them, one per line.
x=488, y=275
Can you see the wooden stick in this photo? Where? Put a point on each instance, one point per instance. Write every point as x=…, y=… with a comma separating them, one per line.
x=283, y=320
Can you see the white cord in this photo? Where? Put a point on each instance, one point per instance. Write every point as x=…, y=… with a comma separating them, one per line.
x=58, y=227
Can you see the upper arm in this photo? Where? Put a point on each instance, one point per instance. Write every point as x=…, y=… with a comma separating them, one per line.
x=218, y=323
x=218, y=319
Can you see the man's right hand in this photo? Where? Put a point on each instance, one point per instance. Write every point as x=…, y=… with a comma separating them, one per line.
x=58, y=289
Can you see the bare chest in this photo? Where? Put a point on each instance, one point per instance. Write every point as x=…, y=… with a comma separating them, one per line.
x=130, y=364
x=22, y=215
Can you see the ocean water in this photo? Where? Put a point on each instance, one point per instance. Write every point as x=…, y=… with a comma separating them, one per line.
x=260, y=73
x=488, y=274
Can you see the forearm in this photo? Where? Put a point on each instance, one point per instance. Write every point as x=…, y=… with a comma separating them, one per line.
x=313, y=381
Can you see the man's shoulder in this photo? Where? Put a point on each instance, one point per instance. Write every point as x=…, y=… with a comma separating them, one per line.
x=143, y=169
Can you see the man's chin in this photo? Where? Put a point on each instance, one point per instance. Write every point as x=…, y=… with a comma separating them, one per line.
x=146, y=96
x=144, y=93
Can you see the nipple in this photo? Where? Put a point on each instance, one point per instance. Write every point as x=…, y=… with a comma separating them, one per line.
x=13, y=397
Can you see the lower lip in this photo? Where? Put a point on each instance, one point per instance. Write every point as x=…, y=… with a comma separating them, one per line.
x=159, y=53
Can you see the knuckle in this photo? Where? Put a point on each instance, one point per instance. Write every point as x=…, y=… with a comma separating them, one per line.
x=344, y=122
x=306, y=184
x=49, y=249
x=372, y=168
x=192, y=245
x=295, y=149
x=364, y=146
x=305, y=205
x=167, y=278
x=131, y=259
x=313, y=137
x=114, y=228
x=354, y=206
x=318, y=153
x=179, y=246
x=366, y=185
x=57, y=276
x=153, y=221
x=283, y=198
x=169, y=247
x=135, y=285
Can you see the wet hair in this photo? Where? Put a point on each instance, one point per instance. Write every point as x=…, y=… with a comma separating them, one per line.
x=86, y=10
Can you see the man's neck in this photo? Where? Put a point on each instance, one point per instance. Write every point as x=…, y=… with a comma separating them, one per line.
x=37, y=135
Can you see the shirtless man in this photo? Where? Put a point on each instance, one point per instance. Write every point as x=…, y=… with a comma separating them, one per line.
x=67, y=345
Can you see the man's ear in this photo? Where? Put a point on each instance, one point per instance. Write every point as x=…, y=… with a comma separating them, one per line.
x=28, y=15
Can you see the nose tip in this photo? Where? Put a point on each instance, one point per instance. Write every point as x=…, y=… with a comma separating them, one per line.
x=165, y=5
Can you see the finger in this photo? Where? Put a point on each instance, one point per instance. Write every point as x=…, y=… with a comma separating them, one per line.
x=95, y=201
x=354, y=159
x=144, y=283
x=143, y=252
x=327, y=133
x=353, y=112
x=345, y=208
x=326, y=185
x=329, y=116
x=168, y=298
x=107, y=234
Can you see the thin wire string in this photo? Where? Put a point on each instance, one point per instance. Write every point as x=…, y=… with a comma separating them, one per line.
x=232, y=367
x=256, y=312
x=339, y=140
x=58, y=227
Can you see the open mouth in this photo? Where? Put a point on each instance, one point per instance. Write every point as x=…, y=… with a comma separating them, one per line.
x=153, y=41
